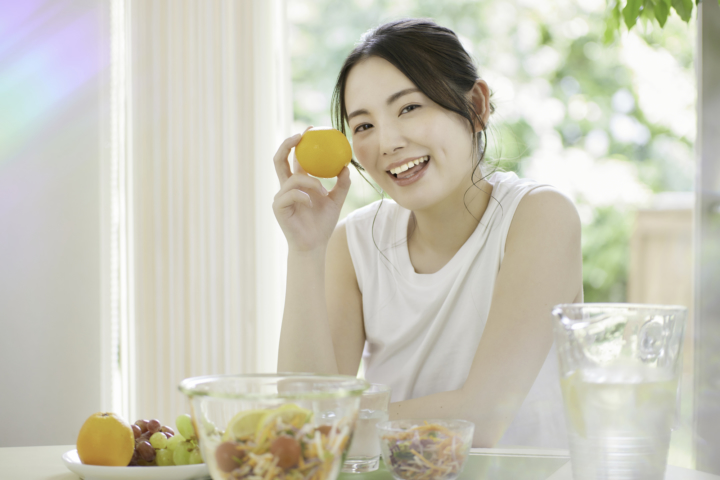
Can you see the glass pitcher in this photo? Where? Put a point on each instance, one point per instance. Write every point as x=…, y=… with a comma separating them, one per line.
x=619, y=369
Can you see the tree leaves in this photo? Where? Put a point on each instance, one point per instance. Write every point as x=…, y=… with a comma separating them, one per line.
x=684, y=8
x=662, y=10
x=612, y=22
x=629, y=11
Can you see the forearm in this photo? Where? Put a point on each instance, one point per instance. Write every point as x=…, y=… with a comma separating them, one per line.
x=456, y=404
x=305, y=338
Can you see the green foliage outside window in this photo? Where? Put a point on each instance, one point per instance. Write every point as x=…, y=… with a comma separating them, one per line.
x=630, y=12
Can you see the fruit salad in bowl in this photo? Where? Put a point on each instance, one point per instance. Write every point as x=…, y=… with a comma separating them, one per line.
x=274, y=426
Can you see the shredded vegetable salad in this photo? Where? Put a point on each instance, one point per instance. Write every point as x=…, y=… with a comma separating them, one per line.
x=425, y=452
x=281, y=450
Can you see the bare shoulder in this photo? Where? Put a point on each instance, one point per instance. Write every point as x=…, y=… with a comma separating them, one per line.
x=545, y=211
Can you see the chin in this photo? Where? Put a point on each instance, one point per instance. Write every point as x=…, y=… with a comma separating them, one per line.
x=419, y=200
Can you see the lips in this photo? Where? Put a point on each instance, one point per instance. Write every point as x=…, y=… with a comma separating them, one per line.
x=411, y=174
x=399, y=167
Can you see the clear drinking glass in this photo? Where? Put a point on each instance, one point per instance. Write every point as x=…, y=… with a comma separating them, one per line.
x=619, y=371
x=364, y=453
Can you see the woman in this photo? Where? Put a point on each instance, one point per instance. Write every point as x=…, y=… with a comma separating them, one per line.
x=449, y=284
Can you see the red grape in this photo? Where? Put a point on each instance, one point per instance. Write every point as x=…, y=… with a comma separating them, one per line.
x=143, y=425
x=145, y=451
x=154, y=425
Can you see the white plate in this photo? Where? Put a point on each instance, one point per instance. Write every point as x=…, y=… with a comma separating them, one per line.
x=95, y=472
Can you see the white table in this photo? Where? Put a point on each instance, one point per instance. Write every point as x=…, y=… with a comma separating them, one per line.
x=44, y=463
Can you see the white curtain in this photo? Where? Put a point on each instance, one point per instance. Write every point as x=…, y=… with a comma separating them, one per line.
x=207, y=104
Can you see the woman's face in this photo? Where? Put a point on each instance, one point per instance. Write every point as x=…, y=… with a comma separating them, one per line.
x=394, y=125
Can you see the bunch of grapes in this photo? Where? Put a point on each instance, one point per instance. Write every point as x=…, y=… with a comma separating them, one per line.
x=157, y=444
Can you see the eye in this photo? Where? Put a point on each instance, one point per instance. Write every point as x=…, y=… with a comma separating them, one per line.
x=409, y=108
x=362, y=127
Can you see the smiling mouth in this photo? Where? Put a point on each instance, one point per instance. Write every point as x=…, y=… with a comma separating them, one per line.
x=410, y=169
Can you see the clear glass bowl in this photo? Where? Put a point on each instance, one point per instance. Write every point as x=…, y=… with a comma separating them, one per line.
x=288, y=425
x=425, y=449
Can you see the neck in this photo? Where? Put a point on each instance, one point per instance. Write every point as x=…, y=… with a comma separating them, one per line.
x=444, y=228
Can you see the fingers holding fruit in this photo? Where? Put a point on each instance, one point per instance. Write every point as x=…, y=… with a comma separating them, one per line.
x=305, y=210
x=280, y=160
x=287, y=196
x=342, y=186
x=289, y=201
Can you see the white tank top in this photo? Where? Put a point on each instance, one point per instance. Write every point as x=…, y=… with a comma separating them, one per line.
x=423, y=330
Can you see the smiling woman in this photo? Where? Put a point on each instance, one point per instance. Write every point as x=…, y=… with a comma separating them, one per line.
x=448, y=286
x=397, y=118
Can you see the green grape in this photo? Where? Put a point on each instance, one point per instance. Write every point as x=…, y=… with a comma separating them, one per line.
x=158, y=440
x=164, y=458
x=181, y=455
x=174, y=441
x=195, y=457
x=185, y=426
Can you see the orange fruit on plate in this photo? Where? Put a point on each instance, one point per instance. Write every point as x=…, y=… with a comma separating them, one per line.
x=323, y=152
x=105, y=439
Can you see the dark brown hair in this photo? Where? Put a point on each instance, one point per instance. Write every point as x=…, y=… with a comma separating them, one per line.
x=432, y=58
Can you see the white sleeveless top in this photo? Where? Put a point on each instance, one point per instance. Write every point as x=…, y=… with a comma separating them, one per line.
x=423, y=330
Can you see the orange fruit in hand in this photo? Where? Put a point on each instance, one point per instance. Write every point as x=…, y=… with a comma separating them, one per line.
x=105, y=439
x=323, y=152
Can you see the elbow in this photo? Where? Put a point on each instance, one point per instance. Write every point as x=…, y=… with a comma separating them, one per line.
x=490, y=423
x=487, y=432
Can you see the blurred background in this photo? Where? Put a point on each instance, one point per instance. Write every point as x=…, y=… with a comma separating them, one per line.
x=137, y=242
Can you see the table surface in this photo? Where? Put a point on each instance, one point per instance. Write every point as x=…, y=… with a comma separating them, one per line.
x=45, y=463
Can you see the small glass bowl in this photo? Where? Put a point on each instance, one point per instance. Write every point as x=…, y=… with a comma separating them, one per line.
x=437, y=449
x=274, y=425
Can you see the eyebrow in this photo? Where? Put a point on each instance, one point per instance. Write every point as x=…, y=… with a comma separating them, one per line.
x=389, y=101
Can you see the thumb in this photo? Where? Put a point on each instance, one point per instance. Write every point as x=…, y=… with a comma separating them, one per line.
x=342, y=186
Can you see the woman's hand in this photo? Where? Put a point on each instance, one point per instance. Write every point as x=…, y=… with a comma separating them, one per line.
x=306, y=212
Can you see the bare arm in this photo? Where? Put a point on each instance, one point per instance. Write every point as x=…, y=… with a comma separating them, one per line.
x=344, y=304
x=322, y=324
x=542, y=267
x=305, y=338
x=308, y=216
x=322, y=329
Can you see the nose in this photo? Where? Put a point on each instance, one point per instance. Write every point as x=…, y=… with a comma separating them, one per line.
x=391, y=139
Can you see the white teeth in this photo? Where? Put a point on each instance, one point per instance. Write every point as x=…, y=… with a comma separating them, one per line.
x=409, y=165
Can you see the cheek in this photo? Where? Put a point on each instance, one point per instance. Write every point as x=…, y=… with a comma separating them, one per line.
x=433, y=129
x=362, y=150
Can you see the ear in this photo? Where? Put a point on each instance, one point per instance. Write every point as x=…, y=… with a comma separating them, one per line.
x=480, y=97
